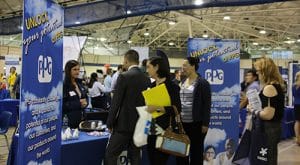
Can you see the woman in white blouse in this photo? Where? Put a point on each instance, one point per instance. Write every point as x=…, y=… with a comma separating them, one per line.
x=96, y=92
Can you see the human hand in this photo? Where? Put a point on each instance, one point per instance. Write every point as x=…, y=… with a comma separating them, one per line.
x=152, y=108
x=204, y=129
x=83, y=103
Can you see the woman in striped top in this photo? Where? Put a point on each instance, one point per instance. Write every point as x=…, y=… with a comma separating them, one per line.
x=195, y=95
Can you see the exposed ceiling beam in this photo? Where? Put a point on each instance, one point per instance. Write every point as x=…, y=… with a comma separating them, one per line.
x=163, y=33
x=255, y=11
x=244, y=32
x=199, y=21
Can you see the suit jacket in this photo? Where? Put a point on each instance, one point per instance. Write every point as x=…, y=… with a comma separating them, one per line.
x=123, y=115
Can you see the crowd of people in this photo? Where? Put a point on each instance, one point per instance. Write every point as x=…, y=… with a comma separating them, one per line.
x=190, y=96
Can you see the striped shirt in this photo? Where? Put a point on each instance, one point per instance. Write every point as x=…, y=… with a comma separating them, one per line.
x=186, y=96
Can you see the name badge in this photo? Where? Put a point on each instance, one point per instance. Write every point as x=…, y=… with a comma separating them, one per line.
x=72, y=93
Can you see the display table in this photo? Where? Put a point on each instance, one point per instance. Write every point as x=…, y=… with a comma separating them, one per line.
x=11, y=105
x=85, y=150
x=287, y=122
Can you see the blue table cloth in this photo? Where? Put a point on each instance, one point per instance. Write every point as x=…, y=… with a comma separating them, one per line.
x=11, y=105
x=87, y=150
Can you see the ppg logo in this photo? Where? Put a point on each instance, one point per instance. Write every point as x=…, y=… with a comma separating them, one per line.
x=44, y=69
x=214, y=76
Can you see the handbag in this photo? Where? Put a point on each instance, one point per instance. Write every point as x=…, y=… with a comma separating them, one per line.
x=259, y=150
x=172, y=143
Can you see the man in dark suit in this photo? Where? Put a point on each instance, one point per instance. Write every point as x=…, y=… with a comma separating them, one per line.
x=123, y=116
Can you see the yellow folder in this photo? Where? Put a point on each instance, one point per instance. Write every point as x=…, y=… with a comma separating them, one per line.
x=157, y=96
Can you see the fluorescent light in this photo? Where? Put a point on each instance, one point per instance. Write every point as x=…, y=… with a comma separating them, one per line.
x=129, y=41
x=298, y=40
x=289, y=41
x=146, y=34
x=77, y=22
x=205, y=35
x=103, y=39
x=255, y=43
x=198, y=2
x=171, y=43
x=128, y=12
x=172, y=23
x=226, y=18
x=288, y=38
x=262, y=32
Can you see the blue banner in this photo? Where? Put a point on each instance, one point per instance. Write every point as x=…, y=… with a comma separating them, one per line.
x=293, y=69
x=41, y=84
x=220, y=65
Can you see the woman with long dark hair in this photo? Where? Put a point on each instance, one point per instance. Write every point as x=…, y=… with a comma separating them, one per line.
x=96, y=92
x=158, y=69
x=74, y=95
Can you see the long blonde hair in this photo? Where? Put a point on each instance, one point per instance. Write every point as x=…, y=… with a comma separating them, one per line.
x=269, y=72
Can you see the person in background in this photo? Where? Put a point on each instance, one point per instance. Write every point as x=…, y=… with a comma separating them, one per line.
x=177, y=77
x=209, y=155
x=16, y=87
x=296, y=95
x=11, y=81
x=122, y=115
x=97, y=92
x=225, y=158
x=251, y=79
x=160, y=72
x=108, y=79
x=107, y=84
x=115, y=77
x=272, y=99
x=74, y=96
x=100, y=75
x=144, y=65
x=195, y=97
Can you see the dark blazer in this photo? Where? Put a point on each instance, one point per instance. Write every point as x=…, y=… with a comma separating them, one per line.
x=201, y=101
x=71, y=103
x=123, y=115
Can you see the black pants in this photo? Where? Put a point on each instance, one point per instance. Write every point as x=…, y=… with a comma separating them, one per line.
x=119, y=142
x=194, y=131
x=155, y=156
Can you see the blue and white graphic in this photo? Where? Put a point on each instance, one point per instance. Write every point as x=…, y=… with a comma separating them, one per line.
x=41, y=84
x=220, y=66
x=293, y=69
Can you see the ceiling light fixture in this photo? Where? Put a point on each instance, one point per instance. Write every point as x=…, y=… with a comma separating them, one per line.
x=290, y=41
x=171, y=43
x=146, y=33
x=103, y=39
x=198, y=2
x=298, y=40
x=77, y=22
x=128, y=12
x=255, y=43
x=205, y=35
x=172, y=22
x=226, y=18
x=262, y=32
x=129, y=41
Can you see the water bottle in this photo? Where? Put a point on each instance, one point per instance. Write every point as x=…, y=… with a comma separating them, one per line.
x=65, y=122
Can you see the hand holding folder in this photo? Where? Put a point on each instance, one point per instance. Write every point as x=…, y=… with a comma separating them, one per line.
x=157, y=96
